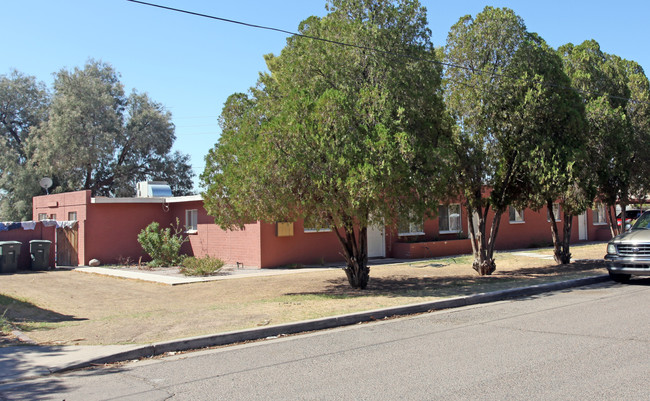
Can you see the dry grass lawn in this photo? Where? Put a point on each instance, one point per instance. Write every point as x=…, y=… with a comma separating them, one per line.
x=66, y=307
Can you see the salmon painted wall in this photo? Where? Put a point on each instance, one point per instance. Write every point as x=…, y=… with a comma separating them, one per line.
x=598, y=232
x=108, y=232
x=535, y=231
x=24, y=236
x=394, y=241
x=59, y=207
x=112, y=230
x=307, y=248
x=238, y=246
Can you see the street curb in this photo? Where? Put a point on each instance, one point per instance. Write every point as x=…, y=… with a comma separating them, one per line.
x=233, y=337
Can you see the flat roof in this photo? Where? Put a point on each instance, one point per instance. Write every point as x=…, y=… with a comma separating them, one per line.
x=170, y=199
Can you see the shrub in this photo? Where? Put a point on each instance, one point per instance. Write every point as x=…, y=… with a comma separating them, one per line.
x=163, y=246
x=192, y=266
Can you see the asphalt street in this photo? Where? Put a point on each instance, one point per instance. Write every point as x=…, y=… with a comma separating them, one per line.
x=589, y=343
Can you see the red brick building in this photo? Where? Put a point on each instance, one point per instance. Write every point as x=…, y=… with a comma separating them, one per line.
x=108, y=227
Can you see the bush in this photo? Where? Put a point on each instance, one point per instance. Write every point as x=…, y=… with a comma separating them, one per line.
x=192, y=266
x=163, y=246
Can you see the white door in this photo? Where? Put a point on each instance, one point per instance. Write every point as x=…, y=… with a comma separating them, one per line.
x=376, y=243
x=582, y=227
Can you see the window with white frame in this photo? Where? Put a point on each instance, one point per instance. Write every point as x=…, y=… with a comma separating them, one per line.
x=72, y=216
x=556, y=213
x=449, y=219
x=191, y=220
x=316, y=230
x=516, y=215
x=599, y=214
x=406, y=228
x=42, y=216
x=311, y=226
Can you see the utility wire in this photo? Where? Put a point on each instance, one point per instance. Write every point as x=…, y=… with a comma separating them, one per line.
x=335, y=42
x=372, y=49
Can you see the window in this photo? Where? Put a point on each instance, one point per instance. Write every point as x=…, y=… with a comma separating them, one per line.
x=406, y=228
x=556, y=213
x=191, y=220
x=42, y=216
x=599, y=214
x=72, y=216
x=310, y=226
x=516, y=215
x=317, y=230
x=449, y=219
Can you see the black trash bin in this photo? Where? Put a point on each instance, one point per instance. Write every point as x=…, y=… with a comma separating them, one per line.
x=9, y=252
x=40, y=253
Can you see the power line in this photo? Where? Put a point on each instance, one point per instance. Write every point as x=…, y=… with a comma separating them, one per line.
x=280, y=30
x=198, y=133
x=374, y=50
x=194, y=117
x=197, y=126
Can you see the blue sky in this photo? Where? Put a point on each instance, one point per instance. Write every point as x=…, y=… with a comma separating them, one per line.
x=191, y=64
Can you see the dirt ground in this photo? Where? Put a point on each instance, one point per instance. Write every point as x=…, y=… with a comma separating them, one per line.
x=67, y=307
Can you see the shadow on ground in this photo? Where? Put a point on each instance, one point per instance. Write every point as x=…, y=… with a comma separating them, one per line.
x=459, y=285
x=573, y=267
x=26, y=316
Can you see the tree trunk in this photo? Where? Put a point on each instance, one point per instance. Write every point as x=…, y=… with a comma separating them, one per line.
x=557, y=249
x=613, y=227
x=565, y=255
x=562, y=245
x=358, y=274
x=485, y=266
x=355, y=252
x=482, y=245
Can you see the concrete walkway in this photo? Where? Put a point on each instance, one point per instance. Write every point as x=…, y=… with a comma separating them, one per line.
x=171, y=278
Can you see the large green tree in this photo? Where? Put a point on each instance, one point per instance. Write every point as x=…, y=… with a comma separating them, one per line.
x=23, y=106
x=343, y=136
x=500, y=88
x=638, y=113
x=615, y=145
x=98, y=138
x=555, y=163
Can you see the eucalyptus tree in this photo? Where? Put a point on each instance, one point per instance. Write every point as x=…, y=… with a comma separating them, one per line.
x=98, y=138
x=345, y=132
x=23, y=106
x=500, y=88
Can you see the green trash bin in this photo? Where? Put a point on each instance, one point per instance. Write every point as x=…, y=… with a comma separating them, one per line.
x=9, y=252
x=40, y=253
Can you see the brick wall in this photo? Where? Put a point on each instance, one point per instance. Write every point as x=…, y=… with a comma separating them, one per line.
x=238, y=246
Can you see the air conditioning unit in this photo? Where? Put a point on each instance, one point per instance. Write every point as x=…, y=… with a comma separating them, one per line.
x=153, y=189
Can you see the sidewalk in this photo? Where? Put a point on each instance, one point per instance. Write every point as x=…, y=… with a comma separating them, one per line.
x=22, y=362
x=171, y=276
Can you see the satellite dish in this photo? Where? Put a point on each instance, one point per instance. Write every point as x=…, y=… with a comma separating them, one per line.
x=46, y=183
